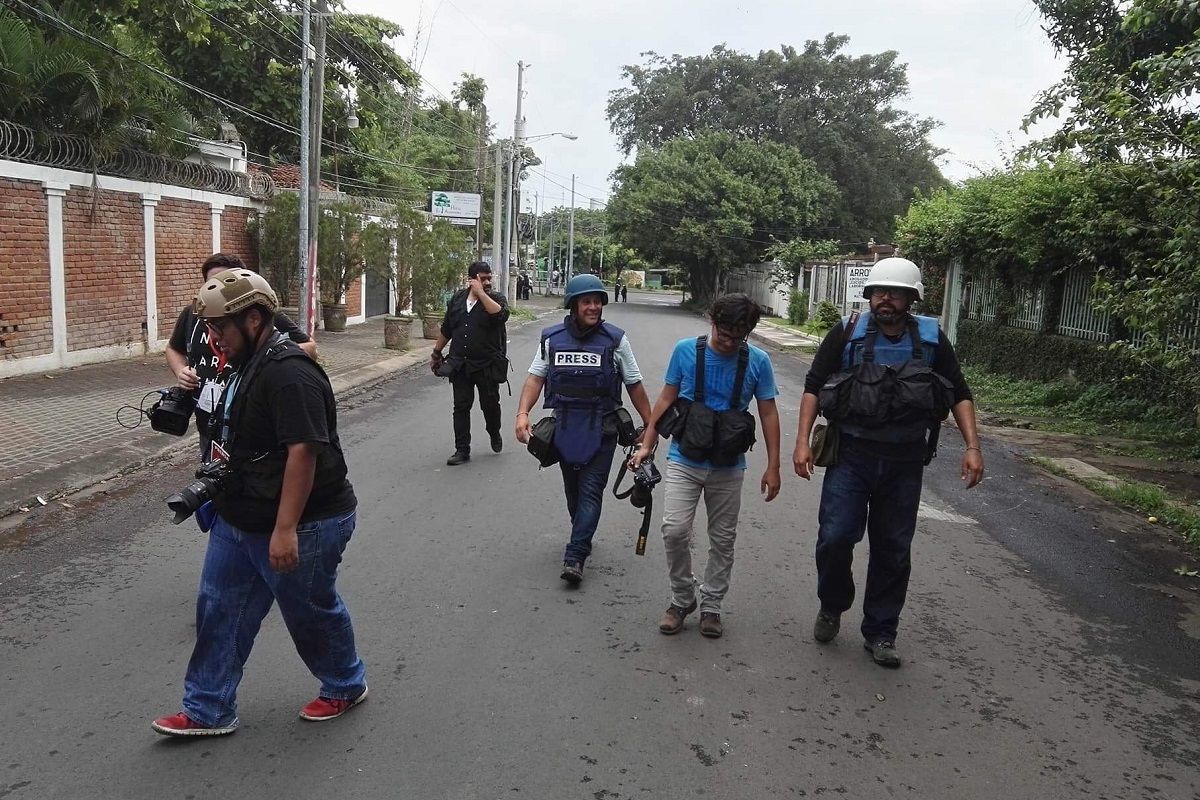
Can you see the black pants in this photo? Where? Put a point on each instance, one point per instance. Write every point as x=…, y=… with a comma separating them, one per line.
x=465, y=384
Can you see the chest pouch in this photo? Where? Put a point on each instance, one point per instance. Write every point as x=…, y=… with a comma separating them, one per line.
x=719, y=437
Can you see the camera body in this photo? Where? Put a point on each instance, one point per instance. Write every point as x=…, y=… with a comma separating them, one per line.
x=211, y=478
x=173, y=411
x=645, y=478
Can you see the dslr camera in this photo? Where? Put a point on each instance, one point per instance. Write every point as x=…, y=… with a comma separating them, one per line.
x=173, y=411
x=211, y=478
x=645, y=478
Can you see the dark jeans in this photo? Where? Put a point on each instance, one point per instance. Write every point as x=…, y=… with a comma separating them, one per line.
x=465, y=384
x=881, y=496
x=584, y=487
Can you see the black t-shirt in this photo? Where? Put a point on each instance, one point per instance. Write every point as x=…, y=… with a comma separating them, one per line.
x=190, y=337
x=828, y=360
x=475, y=336
x=289, y=401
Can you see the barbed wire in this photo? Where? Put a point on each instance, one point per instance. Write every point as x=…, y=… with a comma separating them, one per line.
x=21, y=143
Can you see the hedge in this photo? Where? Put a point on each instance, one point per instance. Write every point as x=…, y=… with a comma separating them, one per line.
x=1168, y=380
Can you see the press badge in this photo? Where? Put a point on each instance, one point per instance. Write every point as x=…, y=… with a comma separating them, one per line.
x=210, y=395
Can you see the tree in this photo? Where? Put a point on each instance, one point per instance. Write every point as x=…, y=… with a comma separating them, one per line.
x=837, y=110
x=713, y=202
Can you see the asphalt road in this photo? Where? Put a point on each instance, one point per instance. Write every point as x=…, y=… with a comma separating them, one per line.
x=1050, y=651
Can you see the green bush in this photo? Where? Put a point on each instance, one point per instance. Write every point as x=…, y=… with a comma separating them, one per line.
x=828, y=314
x=1114, y=380
x=798, y=307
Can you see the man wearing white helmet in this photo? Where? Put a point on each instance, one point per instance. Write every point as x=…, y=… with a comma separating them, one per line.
x=284, y=514
x=885, y=380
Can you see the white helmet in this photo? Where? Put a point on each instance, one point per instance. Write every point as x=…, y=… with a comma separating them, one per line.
x=894, y=272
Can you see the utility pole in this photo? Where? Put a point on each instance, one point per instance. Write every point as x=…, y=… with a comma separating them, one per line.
x=305, y=165
x=317, y=98
x=514, y=180
x=571, y=234
x=480, y=171
x=496, y=197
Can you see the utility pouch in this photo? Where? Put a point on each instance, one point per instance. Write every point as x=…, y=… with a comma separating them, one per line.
x=541, y=442
x=673, y=420
x=449, y=366
x=619, y=423
x=826, y=439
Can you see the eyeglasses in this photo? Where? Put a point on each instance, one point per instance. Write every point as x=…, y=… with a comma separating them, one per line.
x=217, y=325
x=730, y=335
x=890, y=291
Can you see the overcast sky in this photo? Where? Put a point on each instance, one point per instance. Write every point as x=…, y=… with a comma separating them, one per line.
x=975, y=65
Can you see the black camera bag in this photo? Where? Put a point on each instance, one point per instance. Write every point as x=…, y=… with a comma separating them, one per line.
x=541, y=442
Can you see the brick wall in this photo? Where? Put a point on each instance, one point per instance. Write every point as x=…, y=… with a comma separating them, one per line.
x=354, y=298
x=183, y=230
x=25, y=324
x=103, y=247
x=235, y=238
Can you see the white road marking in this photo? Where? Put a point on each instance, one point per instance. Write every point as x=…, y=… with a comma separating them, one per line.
x=927, y=511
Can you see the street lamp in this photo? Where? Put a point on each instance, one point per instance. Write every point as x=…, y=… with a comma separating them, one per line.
x=514, y=187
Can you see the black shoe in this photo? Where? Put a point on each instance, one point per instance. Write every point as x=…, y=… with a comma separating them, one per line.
x=572, y=572
x=497, y=442
x=827, y=626
x=883, y=652
x=459, y=457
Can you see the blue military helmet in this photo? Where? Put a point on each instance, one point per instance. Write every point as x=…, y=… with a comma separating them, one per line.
x=581, y=285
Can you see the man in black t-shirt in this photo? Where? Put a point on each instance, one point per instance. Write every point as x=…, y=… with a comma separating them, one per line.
x=198, y=365
x=886, y=435
x=474, y=327
x=284, y=515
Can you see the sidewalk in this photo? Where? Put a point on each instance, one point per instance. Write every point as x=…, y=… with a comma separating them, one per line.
x=781, y=337
x=60, y=429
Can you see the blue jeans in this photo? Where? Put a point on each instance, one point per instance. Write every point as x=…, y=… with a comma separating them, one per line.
x=237, y=589
x=584, y=487
x=863, y=492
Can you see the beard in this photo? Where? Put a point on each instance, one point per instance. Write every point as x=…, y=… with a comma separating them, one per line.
x=889, y=314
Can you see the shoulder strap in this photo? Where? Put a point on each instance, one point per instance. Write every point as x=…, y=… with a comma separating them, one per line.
x=869, y=341
x=735, y=398
x=698, y=391
x=914, y=335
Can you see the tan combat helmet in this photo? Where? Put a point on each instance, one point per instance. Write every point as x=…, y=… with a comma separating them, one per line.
x=232, y=291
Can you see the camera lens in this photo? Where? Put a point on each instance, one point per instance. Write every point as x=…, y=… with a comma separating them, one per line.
x=189, y=498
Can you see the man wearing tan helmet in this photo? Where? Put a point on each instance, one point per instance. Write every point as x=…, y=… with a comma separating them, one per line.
x=284, y=515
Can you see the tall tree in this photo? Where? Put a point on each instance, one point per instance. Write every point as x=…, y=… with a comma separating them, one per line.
x=714, y=202
x=838, y=110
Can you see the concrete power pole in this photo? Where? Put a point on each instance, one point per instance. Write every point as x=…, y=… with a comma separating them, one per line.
x=481, y=170
x=305, y=321
x=496, y=198
x=571, y=235
x=514, y=185
x=317, y=97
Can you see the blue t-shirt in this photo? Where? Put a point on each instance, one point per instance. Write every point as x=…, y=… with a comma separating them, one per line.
x=719, y=372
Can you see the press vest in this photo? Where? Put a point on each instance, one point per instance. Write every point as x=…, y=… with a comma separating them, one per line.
x=582, y=385
x=887, y=391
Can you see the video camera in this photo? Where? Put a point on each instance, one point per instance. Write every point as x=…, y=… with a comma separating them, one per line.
x=173, y=411
x=211, y=478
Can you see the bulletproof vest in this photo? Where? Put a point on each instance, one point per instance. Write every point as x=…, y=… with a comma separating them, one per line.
x=259, y=474
x=582, y=385
x=887, y=391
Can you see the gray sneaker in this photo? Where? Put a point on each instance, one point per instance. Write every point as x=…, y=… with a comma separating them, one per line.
x=827, y=626
x=883, y=652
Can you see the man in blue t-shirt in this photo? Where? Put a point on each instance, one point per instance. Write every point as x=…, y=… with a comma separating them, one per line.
x=687, y=478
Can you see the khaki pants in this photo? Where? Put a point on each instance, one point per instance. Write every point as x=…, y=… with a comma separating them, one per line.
x=722, y=492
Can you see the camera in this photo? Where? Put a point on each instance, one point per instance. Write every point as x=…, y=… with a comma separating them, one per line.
x=211, y=478
x=645, y=478
x=173, y=411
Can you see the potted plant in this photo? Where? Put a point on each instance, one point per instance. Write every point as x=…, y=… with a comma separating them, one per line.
x=339, y=259
x=276, y=231
x=385, y=240
x=439, y=272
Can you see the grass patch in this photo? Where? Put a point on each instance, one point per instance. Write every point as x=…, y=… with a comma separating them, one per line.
x=520, y=312
x=1146, y=498
x=1098, y=411
x=812, y=327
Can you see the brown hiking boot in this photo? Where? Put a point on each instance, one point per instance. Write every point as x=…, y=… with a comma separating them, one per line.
x=710, y=625
x=672, y=620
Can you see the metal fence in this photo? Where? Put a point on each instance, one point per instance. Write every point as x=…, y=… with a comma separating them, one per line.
x=19, y=143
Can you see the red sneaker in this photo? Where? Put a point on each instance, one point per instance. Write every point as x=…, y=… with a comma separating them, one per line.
x=182, y=725
x=324, y=708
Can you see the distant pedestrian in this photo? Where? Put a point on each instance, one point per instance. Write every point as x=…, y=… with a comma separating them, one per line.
x=283, y=518
x=474, y=327
x=885, y=441
x=198, y=364
x=716, y=376
x=582, y=363
x=625, y=293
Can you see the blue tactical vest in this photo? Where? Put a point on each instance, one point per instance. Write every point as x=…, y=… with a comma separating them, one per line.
x=898, y=355
x=583, y=385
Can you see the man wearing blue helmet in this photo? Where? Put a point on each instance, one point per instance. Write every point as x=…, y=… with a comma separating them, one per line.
x=582, y=363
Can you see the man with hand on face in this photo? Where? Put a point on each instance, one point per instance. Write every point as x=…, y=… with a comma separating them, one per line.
x=284, y=515
x=886, y=383
x=197, y=364
x=582, y=363
x=710, y=381
x=474, y=327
